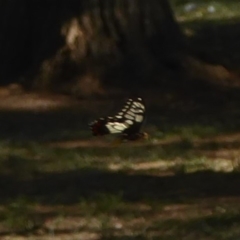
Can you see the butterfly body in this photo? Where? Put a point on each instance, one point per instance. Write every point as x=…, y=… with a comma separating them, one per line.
x=127, y=122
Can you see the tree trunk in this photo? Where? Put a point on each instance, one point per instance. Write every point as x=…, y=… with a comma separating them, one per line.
x=81, y=45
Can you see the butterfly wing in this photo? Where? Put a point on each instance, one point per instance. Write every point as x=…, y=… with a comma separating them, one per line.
x=134, y=116
x=128, y=120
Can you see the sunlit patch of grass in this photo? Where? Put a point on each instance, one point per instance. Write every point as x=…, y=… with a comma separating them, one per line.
x=217, y=226
x=192, y=10
x=191, y=165
x=203, y=163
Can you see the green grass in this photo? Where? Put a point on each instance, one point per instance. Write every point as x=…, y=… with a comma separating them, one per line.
x=19, y=216
x=206, y=10
x=56, y=179
x=124, y=192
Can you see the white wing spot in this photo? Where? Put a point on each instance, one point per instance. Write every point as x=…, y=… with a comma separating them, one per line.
x=130, y=122
x=119, y=127
x=129, y=116
x=111, y=129
x=131, y=113
x=115, y=127
x=137, y=111
x=138, y=104
x=139, y=118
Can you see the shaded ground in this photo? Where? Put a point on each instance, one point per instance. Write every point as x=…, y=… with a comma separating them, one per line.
x=58, y=182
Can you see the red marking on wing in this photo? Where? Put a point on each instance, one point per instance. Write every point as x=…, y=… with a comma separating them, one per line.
x=95, y=128
x=98, y=128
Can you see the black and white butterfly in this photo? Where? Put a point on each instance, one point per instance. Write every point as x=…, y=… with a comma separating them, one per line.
x=127, y=122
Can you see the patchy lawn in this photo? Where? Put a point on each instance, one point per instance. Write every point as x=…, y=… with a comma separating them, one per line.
x=58, y=182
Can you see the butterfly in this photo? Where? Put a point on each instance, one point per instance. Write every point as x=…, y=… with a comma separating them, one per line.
x=127, y=122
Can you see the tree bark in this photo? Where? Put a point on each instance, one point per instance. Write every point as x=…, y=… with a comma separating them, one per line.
x=80, y=45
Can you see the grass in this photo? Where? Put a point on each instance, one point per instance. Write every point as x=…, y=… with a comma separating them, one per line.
x=177, y=184
x=211, y=27
x=57, y=182
x=19, y=216
x=206, y=10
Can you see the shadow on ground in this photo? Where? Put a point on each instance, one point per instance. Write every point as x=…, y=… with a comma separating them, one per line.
x=215, y=41
x=69, y=187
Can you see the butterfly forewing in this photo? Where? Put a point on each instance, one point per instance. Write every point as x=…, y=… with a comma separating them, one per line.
x=137, y=111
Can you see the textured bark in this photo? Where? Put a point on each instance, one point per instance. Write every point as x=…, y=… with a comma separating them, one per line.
x=87, y=42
